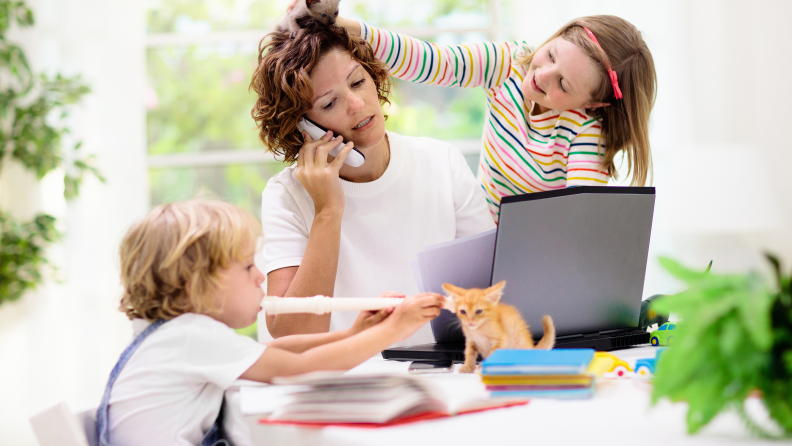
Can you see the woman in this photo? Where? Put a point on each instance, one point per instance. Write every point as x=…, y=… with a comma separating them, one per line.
x=347, y=231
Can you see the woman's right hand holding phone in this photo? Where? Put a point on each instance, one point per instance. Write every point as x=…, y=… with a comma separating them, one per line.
x=318, y=176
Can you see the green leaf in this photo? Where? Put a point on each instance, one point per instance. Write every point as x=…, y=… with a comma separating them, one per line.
x=22, y=253
x=679, y=271
x=755, y=317
x=776, y=267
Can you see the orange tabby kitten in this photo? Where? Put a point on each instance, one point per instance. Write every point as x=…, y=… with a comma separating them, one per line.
x=489, y=325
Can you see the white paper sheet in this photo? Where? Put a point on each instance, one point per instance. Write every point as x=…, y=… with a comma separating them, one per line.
x=265, y=399
x=465, y=262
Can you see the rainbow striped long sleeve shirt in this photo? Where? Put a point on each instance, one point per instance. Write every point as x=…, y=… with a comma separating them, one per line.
x=521, y=153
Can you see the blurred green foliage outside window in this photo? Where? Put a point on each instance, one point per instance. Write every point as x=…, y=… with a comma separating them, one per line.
x=201, y=54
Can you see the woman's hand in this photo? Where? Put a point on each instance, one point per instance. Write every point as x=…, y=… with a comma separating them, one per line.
x=416, y=310
x=368, y=319
x=320, y=177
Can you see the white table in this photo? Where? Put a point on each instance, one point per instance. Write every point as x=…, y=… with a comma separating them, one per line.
x=618, y=414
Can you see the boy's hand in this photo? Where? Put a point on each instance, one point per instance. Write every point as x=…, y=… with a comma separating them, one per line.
x=368, y=319
x=416, y=310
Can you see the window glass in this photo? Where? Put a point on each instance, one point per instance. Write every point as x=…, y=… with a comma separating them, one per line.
x=240, y=184
x=200, y=17
x=201, y=54
x=198, y=99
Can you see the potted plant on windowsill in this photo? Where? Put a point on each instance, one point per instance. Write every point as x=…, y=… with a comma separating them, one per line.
x=735, y=340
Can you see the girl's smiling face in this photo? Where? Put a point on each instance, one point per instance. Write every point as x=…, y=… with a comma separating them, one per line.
x=561, y=77
x=345, y=100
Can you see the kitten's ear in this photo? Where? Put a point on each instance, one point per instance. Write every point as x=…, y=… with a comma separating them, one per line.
x=451, y=293
x=494, y=293
x=451, y=289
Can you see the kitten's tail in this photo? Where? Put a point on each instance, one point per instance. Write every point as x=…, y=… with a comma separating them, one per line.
x=548, y=339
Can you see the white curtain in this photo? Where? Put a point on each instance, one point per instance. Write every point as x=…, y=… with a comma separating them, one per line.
x=60, y=343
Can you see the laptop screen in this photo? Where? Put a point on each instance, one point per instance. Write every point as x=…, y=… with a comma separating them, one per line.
x=577, y=254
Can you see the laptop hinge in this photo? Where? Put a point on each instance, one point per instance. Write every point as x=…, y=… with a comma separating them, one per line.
x=569, y=336
x=618, y=330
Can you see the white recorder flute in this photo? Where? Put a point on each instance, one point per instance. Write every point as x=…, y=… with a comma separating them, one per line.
x=323, y=304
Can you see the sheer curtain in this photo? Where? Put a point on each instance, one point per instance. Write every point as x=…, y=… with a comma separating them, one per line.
x=59, y=343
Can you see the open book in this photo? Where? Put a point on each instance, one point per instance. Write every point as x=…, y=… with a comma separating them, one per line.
x=327, y=399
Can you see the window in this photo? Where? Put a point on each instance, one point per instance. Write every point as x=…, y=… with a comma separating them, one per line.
x=200, y=56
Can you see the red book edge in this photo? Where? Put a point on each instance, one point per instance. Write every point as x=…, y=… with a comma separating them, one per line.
x=399, y=421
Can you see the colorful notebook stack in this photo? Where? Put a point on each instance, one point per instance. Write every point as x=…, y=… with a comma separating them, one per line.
x=558, y=374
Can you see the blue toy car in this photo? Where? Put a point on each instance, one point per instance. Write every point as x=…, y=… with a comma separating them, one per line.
x=646, y=367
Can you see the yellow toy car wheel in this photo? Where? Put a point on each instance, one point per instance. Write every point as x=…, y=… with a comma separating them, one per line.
x=655, y=341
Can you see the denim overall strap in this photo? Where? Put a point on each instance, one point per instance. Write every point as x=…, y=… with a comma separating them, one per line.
x=216, y=436
x=102, y=419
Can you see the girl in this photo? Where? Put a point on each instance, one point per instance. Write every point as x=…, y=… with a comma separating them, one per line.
x=189, y=280
x=557, y=116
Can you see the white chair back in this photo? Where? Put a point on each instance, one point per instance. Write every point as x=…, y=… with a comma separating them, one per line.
x=58, y=426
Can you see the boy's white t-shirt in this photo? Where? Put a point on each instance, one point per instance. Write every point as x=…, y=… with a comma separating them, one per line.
x=427, y=195
x=171, y=389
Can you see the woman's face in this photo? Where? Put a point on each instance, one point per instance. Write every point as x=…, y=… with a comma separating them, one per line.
x=561, y=76
x=345, y=100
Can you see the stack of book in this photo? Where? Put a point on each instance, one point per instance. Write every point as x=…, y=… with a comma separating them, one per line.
x=558, y=374
x=324, y=399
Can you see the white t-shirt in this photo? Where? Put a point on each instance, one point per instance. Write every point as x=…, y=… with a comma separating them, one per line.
x=427, y=195
x=170, y=391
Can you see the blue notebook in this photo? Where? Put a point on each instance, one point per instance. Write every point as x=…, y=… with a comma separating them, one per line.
x=572, y=394
x=537, y=362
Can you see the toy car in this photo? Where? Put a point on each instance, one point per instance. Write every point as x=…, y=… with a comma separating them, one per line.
x=645, y=367
x=663, y=335
x=608, y=365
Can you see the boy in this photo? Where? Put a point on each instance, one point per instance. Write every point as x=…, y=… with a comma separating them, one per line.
x=189, y=280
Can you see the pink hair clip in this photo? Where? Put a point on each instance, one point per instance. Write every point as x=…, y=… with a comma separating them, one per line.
x=614, y=80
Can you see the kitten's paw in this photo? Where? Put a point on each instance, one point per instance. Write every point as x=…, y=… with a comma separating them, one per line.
x=467, y=368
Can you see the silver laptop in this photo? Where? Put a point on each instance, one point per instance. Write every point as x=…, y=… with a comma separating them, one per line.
x=578, y=254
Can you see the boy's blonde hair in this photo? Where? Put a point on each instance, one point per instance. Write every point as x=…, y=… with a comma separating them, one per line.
x=171, y=261
x=625, y=121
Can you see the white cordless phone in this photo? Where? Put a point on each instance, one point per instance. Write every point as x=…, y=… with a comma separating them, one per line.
x=354, y=158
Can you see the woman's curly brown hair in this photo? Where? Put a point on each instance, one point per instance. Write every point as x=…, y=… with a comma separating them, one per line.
x=283, y=84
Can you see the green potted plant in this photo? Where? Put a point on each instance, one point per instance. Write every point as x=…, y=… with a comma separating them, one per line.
x=734, y=340
x=32, y=110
